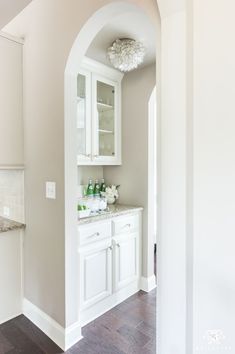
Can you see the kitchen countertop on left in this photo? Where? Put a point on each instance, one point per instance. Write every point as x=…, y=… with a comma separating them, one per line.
x=9, y=225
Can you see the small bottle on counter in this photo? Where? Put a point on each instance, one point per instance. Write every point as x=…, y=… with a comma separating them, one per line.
x=90, y=188
x=97, y=188
x=103, y=185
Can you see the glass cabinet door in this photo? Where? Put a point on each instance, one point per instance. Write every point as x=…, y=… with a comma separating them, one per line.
x=105, y=125
x=83, y=116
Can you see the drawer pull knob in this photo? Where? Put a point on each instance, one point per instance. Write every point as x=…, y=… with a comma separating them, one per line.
x=95, y=234
x=127, y=225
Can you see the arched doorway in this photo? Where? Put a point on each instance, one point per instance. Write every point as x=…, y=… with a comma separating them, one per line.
x=85, y=37
x=172, y=74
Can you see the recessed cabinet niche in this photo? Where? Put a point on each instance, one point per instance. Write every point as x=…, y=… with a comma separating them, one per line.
x=98, y=114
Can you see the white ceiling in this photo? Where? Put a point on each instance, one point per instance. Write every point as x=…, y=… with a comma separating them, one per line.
x=134, y=25
x=9, y=9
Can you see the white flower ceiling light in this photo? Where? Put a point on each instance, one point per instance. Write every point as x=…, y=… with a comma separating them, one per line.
x=126, y=54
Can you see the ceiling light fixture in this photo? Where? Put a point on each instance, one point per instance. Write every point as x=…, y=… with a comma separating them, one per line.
x=126, y=54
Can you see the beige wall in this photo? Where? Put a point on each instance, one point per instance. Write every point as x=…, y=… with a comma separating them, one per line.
x=132, y=175
x=49, y=28
x=11, y=122
x=10, y=8
x=12, y=193
x=86, y=172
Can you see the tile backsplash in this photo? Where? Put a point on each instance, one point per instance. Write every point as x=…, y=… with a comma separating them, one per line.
x=12, y=194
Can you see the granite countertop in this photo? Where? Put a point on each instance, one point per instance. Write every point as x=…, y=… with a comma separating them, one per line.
x=113, y=211
x=9, y=225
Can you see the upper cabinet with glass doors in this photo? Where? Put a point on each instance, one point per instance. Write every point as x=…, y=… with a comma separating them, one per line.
x=98, y=114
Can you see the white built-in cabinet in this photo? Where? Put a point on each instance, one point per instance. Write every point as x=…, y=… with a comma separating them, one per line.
x=126, y=252
x=96, y=273
x=10, y=274
x=11, y=93
x=109, y=263
x=98, y=114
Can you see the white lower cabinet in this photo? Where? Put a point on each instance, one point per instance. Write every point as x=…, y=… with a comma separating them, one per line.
x=11, y=244
x=110, y=266
x=125, y=260
x=96, y=273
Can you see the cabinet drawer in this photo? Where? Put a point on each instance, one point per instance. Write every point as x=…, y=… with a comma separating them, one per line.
x=125, y=224
x=94, y=232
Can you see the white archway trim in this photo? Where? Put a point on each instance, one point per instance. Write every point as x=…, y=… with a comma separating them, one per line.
x=175, y=203
x=170, y=7
x=150, y=282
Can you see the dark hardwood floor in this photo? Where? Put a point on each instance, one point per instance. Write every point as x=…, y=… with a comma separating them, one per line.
x=128, y=328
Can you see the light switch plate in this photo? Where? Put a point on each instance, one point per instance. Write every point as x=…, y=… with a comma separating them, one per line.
x=50, y=190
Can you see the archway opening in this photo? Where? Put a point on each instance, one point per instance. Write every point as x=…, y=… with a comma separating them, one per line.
x=74, y=64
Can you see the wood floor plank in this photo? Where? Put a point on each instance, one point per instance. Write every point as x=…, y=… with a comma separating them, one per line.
x=5, y=345
x=147, y=329
x=37, y=336
x=134, y=336
x=19, y=340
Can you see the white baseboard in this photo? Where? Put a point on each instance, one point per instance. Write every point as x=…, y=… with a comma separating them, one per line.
x=148, y=284
x=63, y=337
x=73, y=334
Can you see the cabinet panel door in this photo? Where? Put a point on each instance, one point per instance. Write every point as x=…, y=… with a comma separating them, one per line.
x=96, y=273
x=106, y=120
x=84, y=116
x=126, y=260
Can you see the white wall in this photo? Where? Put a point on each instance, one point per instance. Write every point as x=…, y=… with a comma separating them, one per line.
x=214, y=174
x=172, y=179
x=132, y=175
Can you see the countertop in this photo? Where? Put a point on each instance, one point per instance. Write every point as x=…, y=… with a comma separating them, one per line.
x=9, y=225
x=114, y=210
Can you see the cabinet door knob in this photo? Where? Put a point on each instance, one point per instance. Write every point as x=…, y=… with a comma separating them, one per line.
x=127, y=225
x=110, y=248
x=118, y=245
x=95, y=234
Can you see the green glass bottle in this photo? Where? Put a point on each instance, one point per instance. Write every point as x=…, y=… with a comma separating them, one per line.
x=90, y=188
x=103, y=185
x=97, y=188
